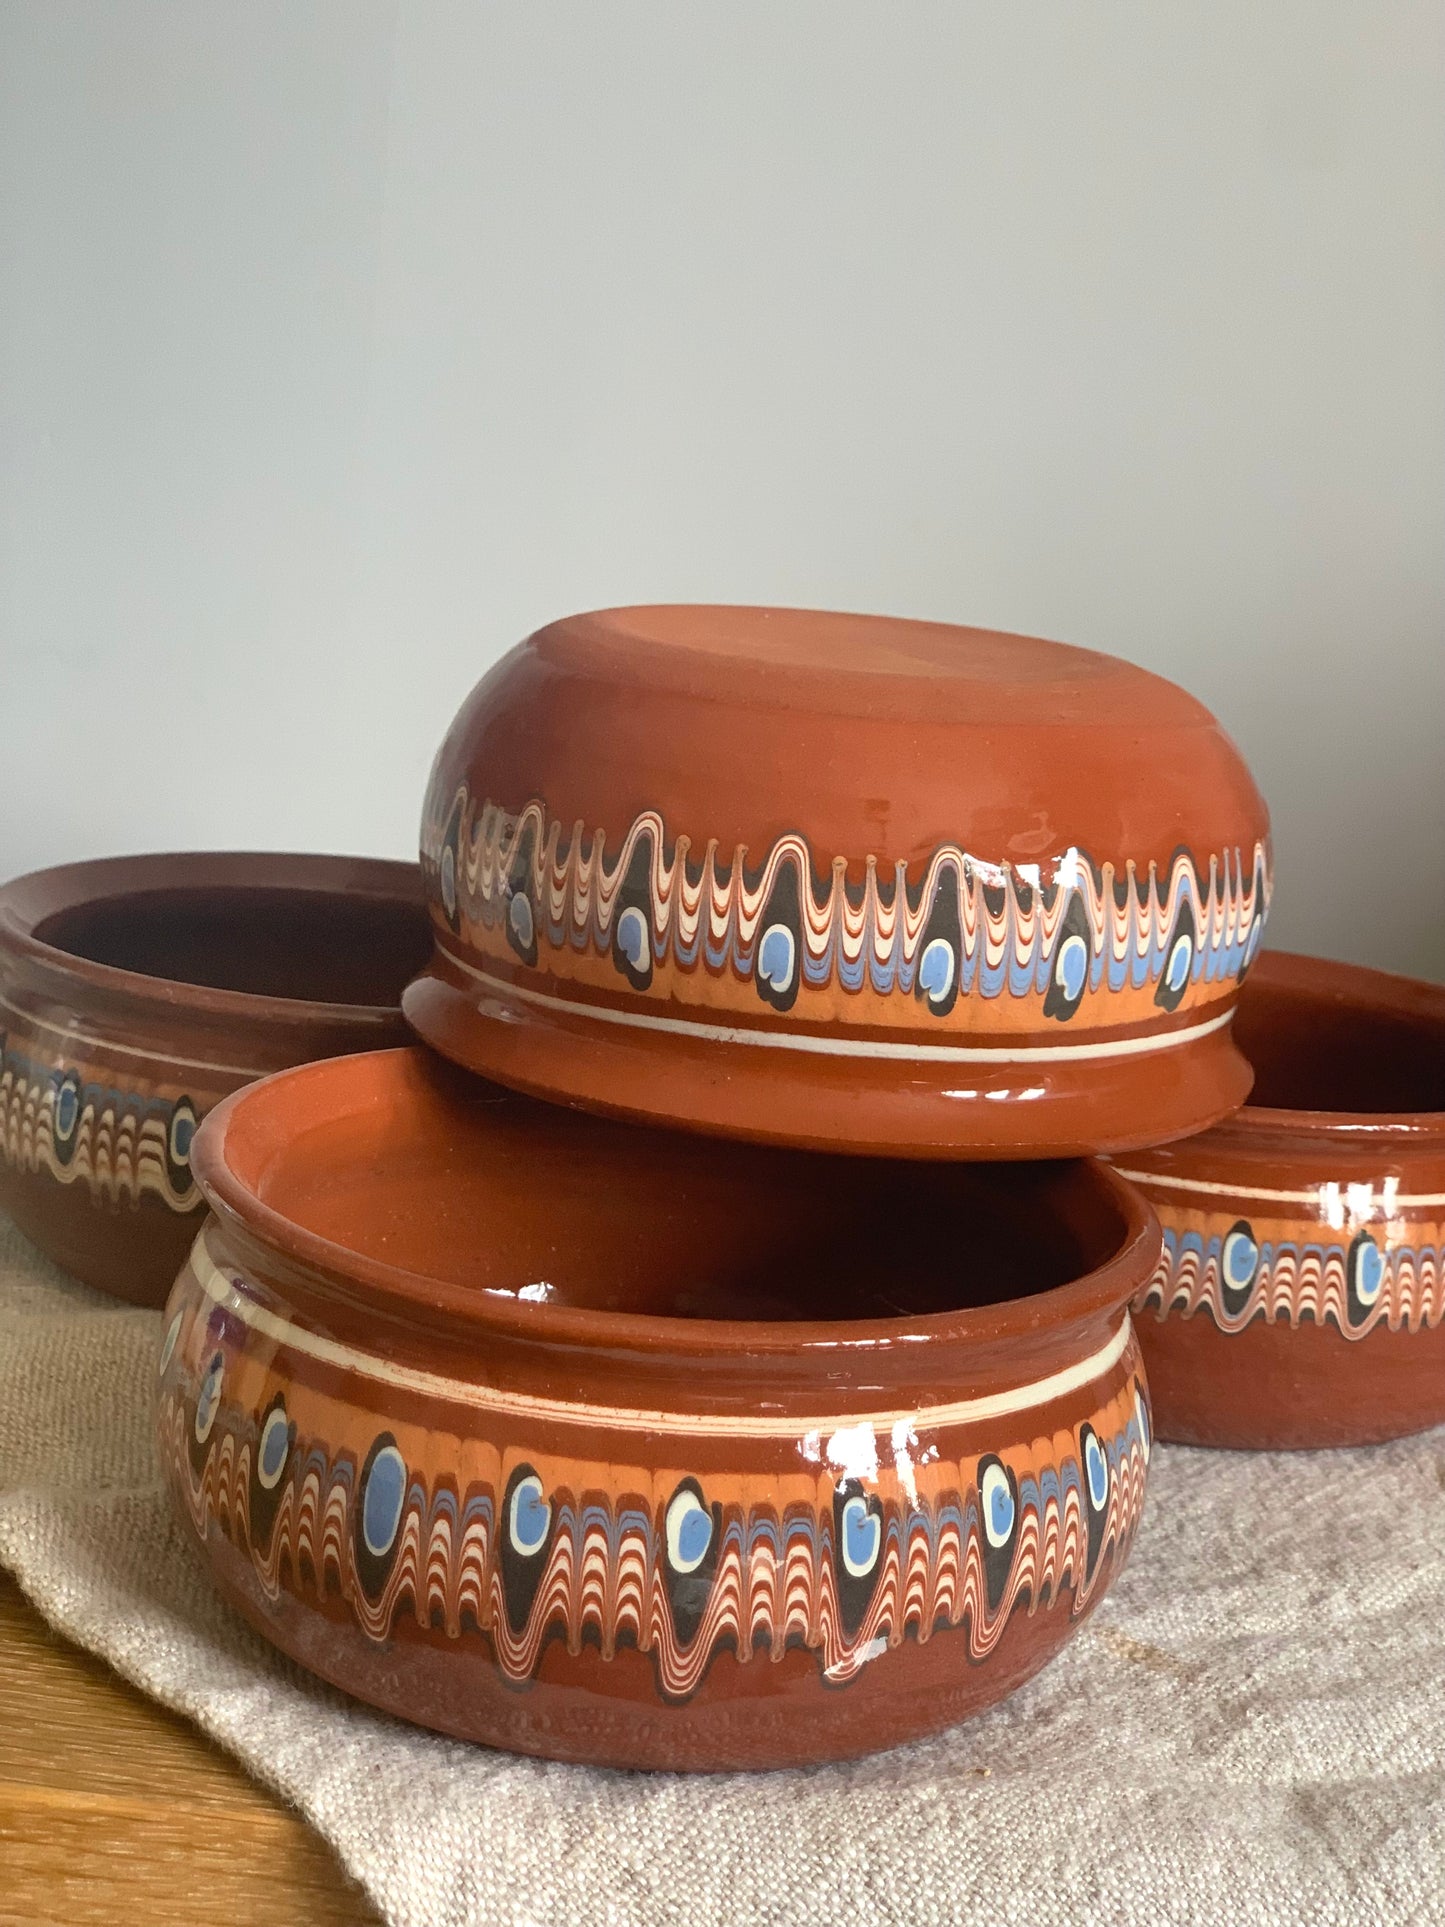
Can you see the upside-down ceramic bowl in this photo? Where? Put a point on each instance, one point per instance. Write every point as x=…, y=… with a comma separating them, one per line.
x=604, y=1444
x=1300, y=1296
x=846, y=882
x=136, y=991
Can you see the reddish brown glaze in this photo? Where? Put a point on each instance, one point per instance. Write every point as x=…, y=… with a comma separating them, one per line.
x=137, y=991
x=1300, y=1297
x=612, y=1445
x=843, y=882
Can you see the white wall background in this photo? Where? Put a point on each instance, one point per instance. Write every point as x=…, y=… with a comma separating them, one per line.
x=342, y=345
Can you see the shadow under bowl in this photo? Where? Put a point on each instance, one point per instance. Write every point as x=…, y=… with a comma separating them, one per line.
x=135, y=992
x=614, y=1445
x=1300, y=1297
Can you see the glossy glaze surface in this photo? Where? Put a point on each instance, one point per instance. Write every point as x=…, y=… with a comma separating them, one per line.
x=612, y=1445
x=842, y=881
x=136, y=992
x=1300, y=1295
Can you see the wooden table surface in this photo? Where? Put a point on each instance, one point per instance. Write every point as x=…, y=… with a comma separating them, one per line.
x=114, y=1811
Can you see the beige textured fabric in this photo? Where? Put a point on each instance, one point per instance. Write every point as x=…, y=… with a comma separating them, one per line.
x=1251, y=1729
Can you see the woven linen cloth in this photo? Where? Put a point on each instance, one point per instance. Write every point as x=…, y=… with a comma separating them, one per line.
x=1250, y=1729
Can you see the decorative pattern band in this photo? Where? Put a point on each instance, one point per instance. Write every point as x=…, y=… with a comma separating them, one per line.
x=68, y=1121
x=487, y=1538
x=1120, y=945
x=1236, y=1274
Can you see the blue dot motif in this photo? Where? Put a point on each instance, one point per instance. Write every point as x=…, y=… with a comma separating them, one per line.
x=687, y=1530
x=1180, y=958
x=1369, y=1272
x=693, y=1534
x=632, y=936
x=996, y=1497
x=775, y=956
x=274, y=1443
x=531, y=1516
x=519, y=915
x=935, y=970
x=1072, y=966
x=861, y=1531
x=1240, y=1256
x=382, y=1501
x=208, y=1399
x=1096, y=1469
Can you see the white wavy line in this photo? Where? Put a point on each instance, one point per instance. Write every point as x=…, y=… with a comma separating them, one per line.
x=227, y=1290
x=847, y=1046
x=1318, y=1195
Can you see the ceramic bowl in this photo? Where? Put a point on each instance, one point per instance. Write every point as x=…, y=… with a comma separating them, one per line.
x=135, y=992
x=1300, y=1297
x=845, y=882
x=599, y=1443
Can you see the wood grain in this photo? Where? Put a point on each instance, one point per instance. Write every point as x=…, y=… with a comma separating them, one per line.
x=112, y=1809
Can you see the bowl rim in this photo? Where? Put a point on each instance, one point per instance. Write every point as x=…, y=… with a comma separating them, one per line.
x=37, y=895
x=1366, y=989
x=399, y=1291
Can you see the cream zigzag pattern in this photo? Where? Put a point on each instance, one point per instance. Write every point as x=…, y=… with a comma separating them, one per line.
x=775, y=1579
x=709, y=912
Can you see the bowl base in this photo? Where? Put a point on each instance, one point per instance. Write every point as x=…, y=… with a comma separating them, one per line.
x=129, y=1251
x=753, y=1718
x=1281, y=1387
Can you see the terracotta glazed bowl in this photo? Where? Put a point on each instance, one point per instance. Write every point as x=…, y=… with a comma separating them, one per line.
x=846, y=882
x=136, y=991
x=598, y=1443
x=1300, y=1297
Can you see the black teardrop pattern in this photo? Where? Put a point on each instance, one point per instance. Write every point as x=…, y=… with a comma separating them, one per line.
x=998, y=1505
x=857, y=1550
x=377, y=1513
x=940, y=951
x=180, y=1132
x=1094, y=1467
x=692, y=1540
x=65, y=1116
x=632, y=917
x=524, y=1538
x=778, y=957
x=1364, y=1278
x=270, y=1458
x=1238, y=1266
x=1071, y=962
x=520, y=911
x=1179, y=955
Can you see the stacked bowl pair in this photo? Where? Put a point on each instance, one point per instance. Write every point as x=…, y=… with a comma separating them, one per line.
x=715, y=1349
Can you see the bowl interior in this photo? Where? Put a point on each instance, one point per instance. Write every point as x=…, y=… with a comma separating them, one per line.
x=316, y=946
x=1335, y=1039
x=420, y=1168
